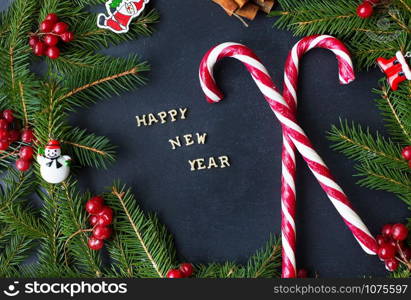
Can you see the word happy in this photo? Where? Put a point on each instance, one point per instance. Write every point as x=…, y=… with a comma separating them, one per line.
x=162, y=117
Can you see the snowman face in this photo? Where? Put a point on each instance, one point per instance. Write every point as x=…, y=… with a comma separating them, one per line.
x=52, y=153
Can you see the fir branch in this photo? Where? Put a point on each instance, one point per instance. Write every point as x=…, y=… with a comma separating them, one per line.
x=147, y=241
x=265, y=263
x=14, y=254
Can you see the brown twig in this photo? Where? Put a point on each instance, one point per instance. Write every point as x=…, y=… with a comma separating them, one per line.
x=23, y=104
x=85, y=147
x=11, y=52
x=72, y=236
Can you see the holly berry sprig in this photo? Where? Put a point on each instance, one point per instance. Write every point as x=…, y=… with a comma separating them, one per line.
x=51, y=31
x=101, y=217
x=406, y=154
x=366, y=8
x=9, y=134
x=185, y=270
x=392, y=248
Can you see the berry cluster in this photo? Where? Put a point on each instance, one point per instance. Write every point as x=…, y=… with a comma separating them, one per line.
x=101, y=217
x=9, y=134
x=44, y=42
x=185, y=270
x=392, y=249
x=406, y=154
x=366, y=8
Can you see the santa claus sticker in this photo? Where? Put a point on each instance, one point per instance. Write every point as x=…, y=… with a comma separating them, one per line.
x=120, y=14
x=54, y=167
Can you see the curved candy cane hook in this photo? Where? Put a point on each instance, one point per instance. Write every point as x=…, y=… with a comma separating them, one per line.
x=291, y=128
x=288, y=191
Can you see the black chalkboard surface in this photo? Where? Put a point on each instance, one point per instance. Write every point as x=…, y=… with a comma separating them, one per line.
x=226, y=214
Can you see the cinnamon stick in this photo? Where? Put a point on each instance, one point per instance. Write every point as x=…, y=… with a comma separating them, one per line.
x=230, y=6
x=241, y=3
x=248, y=11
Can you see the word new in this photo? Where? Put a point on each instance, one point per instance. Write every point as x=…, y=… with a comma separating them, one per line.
x=201, y=164
x=188, y=140
x=162, y=117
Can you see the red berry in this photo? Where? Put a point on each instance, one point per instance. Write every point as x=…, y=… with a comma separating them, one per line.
x=406, y=153
x=60, y=28
x=186, y=269
x=8, y=115
x=391, y=264
x=4, y=135
x=26, y=152
x=386, y=251
x=14, y=136
x=386, y=230
x=380, y=240
x=302, y=273
x=46, y=26
x=33, y=40
x=175, y=273
x=95, y=244
x=52, y=18
x=51, y=39
x=365, y=10
x=39, y=48
x=93, y=220
x=102, y=232
x=53, y=52
x=399, y=232
x=105, y=216
x=98, y=199
x=4, y=145
x=4, y=124
x=27, y=136
x=93, y=206
x=67, y=37
x=23, y=165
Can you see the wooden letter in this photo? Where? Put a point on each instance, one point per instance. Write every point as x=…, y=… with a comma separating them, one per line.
x=141, y=120
x=189, y=139
x=224, y=161
x=175, y=143
x=200, y=164
x=201, y=138
x=183, y=112
x=151, y=119
x=173, y=113
x=162, y=115
x=192, y=164
x=212, y=163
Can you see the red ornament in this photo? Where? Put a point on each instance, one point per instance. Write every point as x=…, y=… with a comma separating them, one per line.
x=51, y=39
x=52, y=18
x=60, y=28
x=93, y=206
x=406, y=153
x=33, y=40
x=95, y=244
x=399, y=232
x=386, y=251
x=4, y=124
x=4, y=135
x=365, y=10
x=102, y=232
x=14, y=136
x=391, y=264
x=67, y=37
x=26, y=153
x=4, y=145
x=175, y=273
x=53, y=52
x=23, y=165
x=27, y=136
x=386, y=230
x=46, y=26
x=186, y=269
x=302, y=273
x=396, y=69
x=8, y=115
x=39, y=48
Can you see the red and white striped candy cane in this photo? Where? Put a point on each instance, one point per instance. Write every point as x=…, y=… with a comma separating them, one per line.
x=288, y=191
x=287, y=118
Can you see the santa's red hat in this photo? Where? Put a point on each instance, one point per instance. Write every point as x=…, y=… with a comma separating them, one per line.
x=53, y=144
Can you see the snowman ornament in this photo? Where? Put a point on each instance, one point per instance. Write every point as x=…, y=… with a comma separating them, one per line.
x=54, y=167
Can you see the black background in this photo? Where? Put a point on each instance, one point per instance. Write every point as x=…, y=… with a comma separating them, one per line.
x=226, y=214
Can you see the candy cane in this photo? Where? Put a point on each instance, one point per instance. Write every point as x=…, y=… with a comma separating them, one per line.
x=288, y=192
x=296, y=134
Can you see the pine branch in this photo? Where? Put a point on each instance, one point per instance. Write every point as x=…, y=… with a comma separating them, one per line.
x=266, y=262
x=14, y=254
x=147, y=242
x=359, y=144
x=226, y=270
